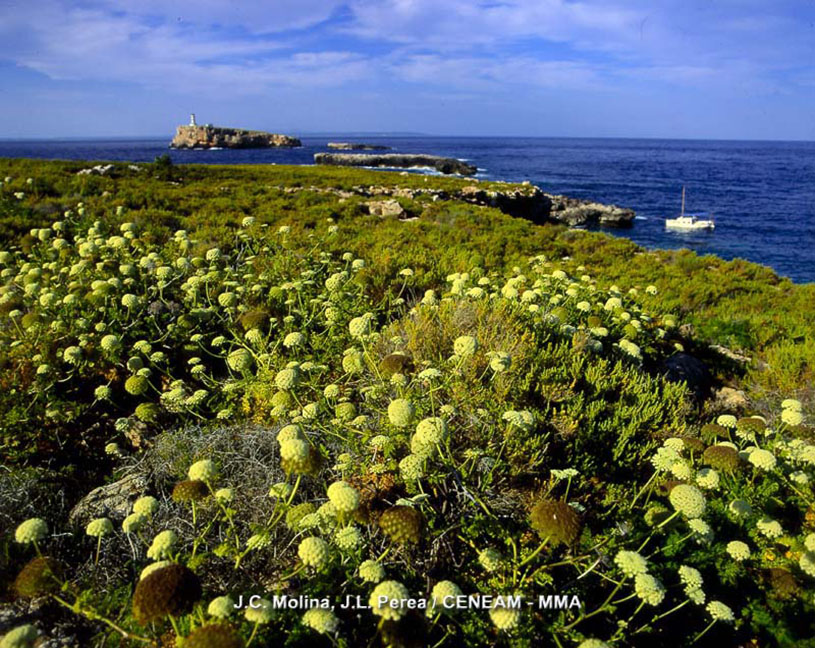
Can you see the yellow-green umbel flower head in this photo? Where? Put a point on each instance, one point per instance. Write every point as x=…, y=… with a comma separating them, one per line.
x=791, y=404
x=170, y=590
x=688, y=500
x=296, y=456
x=111, y=344
x=505, y=616
x=738, y=550
x=296, y=513
x=430, y=433
x=401, y=412
x=287, y=378
x=389, y=600
x=292, y=431
x=720, y=612
x=500, y=362
x=465, y=346
x=792, y=417
x=314, y=552
x=321, y=620
x=146, y=505
x=807, y=563
x=371, y=571
x=224, y=495
x=162, y=545
x=221, y=607
x=443, y=597
x=72, y=355
x=147, y=412
x=228, y=300
x=491, y=559
x=648, y=589
x=214, y=635
x=203, y=470
x=348, y=538
x=103, y=392
x=239, y=360
x=353, y=362
x=345, y=411
x=133, y=522
x=99, y=527
x=343, y=496
x=762, y=459
x=22, y=636
x=593, y=643
x=360, y=327
x=294, y=340
x=631, y=563
x=411, y=467
x=402, y=524
x=32, y=530
x=707, y=478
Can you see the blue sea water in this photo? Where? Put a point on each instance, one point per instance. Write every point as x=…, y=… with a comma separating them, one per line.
x=761, y=194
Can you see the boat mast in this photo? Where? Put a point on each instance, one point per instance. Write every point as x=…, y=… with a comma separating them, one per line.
x=682, y=215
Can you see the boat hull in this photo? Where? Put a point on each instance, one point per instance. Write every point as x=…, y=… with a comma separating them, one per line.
x=690, y=227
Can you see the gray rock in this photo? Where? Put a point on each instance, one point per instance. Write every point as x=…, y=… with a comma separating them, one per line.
x=730, y=354
x=386, y=208
x=112, y=500
x=728, y=399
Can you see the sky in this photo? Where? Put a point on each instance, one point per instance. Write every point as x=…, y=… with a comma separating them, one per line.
x=714, y=69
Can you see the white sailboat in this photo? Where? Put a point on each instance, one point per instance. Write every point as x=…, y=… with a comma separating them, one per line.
x=689, y=222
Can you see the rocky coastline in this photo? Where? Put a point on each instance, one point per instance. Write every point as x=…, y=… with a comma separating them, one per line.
x=522, y=201
x=397, y=160
x=208, y=137
x=356, y=146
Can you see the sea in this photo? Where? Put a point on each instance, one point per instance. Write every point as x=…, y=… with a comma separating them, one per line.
x=760, y=194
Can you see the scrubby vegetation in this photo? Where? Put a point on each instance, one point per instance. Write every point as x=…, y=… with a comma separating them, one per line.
x=309, y=401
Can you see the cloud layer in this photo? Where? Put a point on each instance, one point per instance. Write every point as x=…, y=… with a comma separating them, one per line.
x=425, y=47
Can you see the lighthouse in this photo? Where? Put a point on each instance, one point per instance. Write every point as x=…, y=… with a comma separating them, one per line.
x=192, y=119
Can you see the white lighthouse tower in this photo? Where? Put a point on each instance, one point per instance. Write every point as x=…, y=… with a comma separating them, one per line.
x=192, y=120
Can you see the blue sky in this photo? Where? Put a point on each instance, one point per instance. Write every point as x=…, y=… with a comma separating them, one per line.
x=732, y=69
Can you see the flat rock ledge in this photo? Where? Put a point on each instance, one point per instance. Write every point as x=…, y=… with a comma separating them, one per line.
x=207, y=137
x=397, y=160
x=522, y=201
x=356, y=146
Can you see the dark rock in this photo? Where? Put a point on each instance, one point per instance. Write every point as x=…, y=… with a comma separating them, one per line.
x=683, y=367
x=396, y=160
x=354, y=146
x=576, y=212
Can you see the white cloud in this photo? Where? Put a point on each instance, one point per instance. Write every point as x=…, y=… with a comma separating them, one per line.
x=467, y=45
x=480, y=73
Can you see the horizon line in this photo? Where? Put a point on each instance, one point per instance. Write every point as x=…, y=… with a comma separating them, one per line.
x=412, y=135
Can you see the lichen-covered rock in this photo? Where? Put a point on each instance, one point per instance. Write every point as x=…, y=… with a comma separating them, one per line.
x=112, y=500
